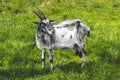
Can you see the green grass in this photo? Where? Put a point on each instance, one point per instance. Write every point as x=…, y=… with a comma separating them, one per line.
x=17, y=35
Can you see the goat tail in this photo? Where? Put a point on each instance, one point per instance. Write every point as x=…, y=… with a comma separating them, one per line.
x=89, y=34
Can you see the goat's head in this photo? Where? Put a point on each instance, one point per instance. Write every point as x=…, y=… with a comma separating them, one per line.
x=44, y=25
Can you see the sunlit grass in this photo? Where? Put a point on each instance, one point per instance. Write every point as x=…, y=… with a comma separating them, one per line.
x=19, y=60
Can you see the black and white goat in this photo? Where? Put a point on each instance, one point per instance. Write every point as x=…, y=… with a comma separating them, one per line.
x=67, y=34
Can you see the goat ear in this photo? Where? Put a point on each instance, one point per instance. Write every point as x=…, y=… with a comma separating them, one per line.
x=88, y=34
x=36, y=22
x=52, y=20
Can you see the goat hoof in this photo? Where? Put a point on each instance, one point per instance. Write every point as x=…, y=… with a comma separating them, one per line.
x=83, y=64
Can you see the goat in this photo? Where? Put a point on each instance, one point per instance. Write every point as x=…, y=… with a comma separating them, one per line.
x=67, y=34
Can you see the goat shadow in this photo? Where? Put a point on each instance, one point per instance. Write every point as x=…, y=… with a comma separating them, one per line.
x=22, y=73
x=32, y=72
x=75, y=67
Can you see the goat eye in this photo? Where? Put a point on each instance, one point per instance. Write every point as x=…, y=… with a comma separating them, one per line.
x=42, y=24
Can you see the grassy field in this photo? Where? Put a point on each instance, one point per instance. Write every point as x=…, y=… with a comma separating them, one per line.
x=20, y=61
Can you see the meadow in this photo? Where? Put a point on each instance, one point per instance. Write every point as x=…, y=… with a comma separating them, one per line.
x=21, y=60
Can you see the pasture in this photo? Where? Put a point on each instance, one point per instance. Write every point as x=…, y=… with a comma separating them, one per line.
x=21, y=60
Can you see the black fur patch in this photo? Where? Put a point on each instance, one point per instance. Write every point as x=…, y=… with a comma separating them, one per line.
x=43, y=40
x=78, y=52
x=88, y=34
x=78, y=25
x=70, y=36
x=52, y=38
x=38, y=36
x=73, y=24
x=51, y=49
x=84, y=51
x=43, y=60
x=62, y=36
x=58, y=27
x=51, y=61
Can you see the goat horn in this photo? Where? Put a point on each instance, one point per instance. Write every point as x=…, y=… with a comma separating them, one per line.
x=40, y=14
x=37, y=14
